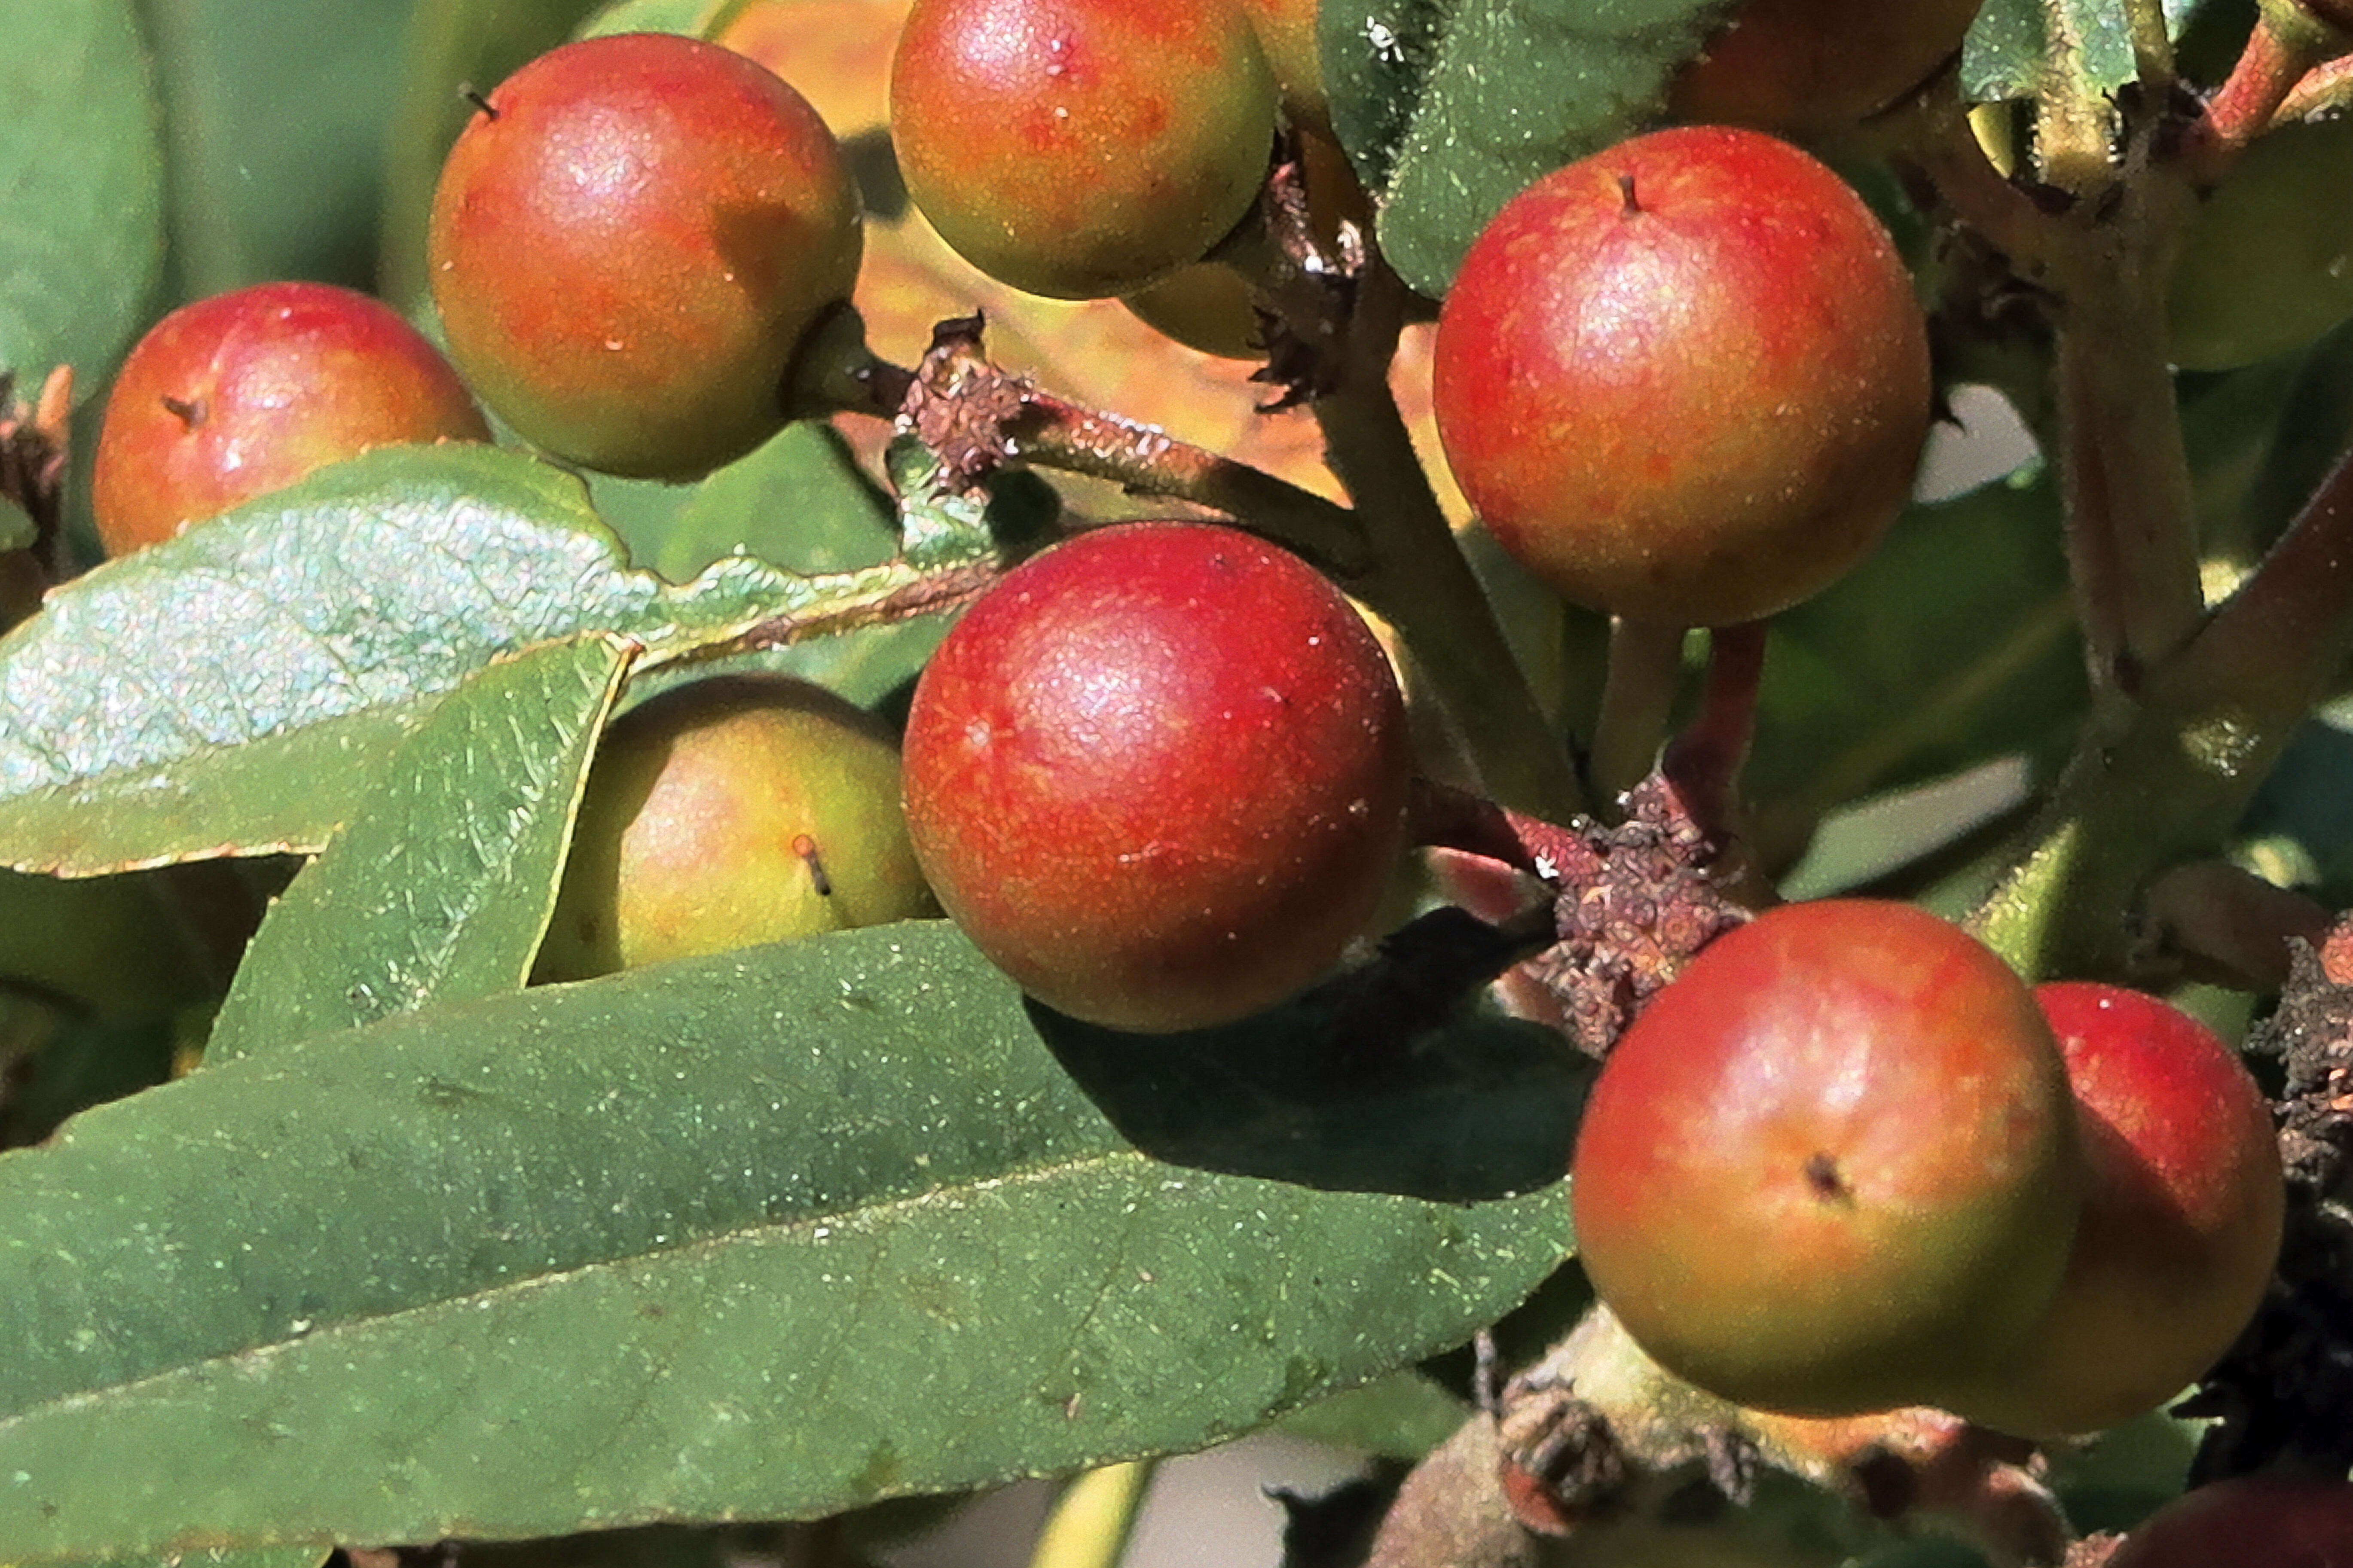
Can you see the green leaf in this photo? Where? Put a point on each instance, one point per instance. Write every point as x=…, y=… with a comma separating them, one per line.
x=800, y=501
x=111, y=943
x=18, y=528
x=276, y=151
x=231, y=690
x=1449, y=108
x=764, y=1236
x=441, y=888
x=81, y=233
x=1401, y=1417
x=1953, y=643
x=690, y=17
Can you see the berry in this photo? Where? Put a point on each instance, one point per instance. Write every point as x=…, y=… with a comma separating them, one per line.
x=1286, y=31
x=1684, y=380
x=1208, y=307
x=629, y=243
x=1831, y=1168
x=1158, y=775
x=235, y=395
x=1082, y=148
x=2270, y=1519
x=2182, y=1210
x=730, y=812
x=1805, y=67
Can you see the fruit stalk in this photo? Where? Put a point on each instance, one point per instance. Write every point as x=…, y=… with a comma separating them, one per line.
x=1646, y=664
x=1094, y=1518
x=1421, y=583
x=2154, y=780
x=976, y=416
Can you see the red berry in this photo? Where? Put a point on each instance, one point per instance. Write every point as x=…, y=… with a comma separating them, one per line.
x=1158, y=775
x=1804, y=68
x=629, y=243
x=2181, y=1217
x=1833, y=1167
x=2269, y=1520
x=1082, y=148
x=242, y=393
x=1684, y=380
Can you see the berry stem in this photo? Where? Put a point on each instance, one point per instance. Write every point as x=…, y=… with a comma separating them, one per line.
x=1704, y=761
x=1646, y=663
x=2152, y=48
x=1095, y=1517
x=976, y=417
x=2131, y=515
x=1419, y=581
x=2279, y=59
x=2074, y=120
x=2159, y=779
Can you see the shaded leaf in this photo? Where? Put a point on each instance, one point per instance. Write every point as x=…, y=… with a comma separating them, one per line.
x=797, y=500
x=86, y=1062
x=81, y=234
x=764, y=1236
x=275, y=110
x=1449, y=108
x=1954, y=642
x=441, y=888
x=111, y=944
x=1401, y=1417
x=231, y=690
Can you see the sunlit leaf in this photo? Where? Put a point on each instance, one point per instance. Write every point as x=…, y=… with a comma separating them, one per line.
x=764, y=1236
x=441, y=886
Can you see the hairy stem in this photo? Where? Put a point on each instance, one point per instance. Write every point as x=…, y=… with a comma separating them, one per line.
x=2132, y=524
x=2075, y=123
x=2159, y=779
x=1423, y=586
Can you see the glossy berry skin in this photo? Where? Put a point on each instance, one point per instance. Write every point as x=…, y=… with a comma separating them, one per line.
x=233, y=396
x=1684, y=380
x=1158, y=775
x=2182, y=1210
x=1286, y=31
x=1833, y=1167
x=1808, y=68
x=1082, y=148
x=734, y=811
x=2274, y=1521
x=628, y=247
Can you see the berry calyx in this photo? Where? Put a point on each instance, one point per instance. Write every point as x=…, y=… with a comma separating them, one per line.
x=2183, y=1209
x=629, y=243
x=244, y=392
x=730, y=812
x=1684, y=380
x=1158, y=775
x=1833, y=1167
x=1082, y=148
